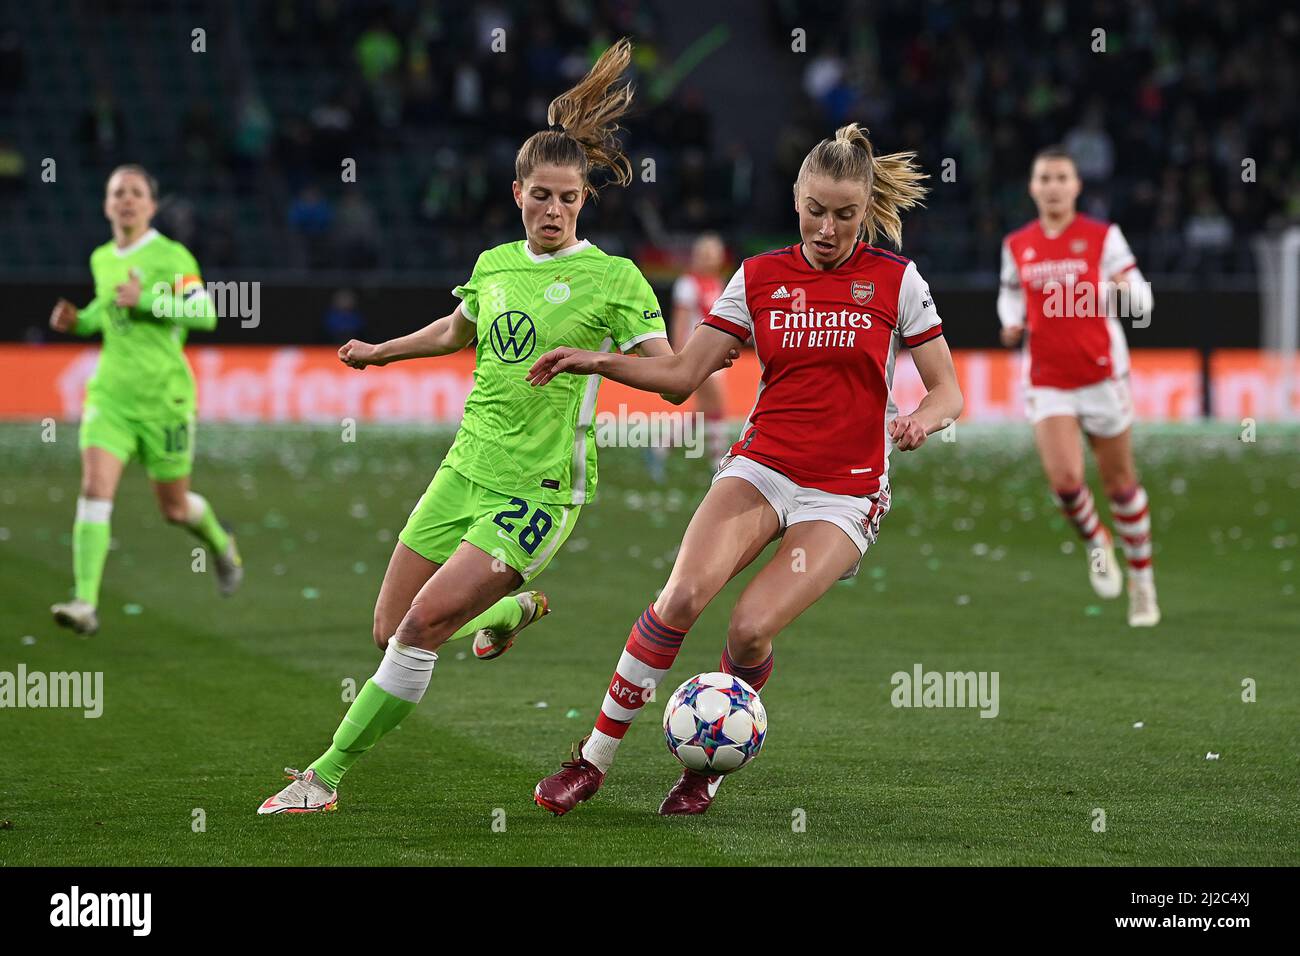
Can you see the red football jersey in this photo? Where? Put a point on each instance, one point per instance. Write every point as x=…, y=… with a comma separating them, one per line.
x=1080, y=346
x=826, y=340
x=696, y=291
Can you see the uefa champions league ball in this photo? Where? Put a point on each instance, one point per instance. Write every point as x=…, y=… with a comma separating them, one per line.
x=715, y=723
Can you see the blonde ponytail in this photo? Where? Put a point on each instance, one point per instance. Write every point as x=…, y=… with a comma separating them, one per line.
x=584, y=123
x=893, y=181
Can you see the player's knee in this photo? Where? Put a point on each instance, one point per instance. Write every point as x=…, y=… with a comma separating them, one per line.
x=1065, y=481
x=94, y=487
x=681, y=603
x=175, y=512
x=1119, y=484
x=384, y=626
x=749, y=637
x=422, y=626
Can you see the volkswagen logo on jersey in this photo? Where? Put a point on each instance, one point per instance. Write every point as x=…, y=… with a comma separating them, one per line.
x=862, y=292
x=513, y=336
x=556, y=293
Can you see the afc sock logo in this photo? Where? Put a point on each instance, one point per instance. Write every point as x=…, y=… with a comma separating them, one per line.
x=626, y=694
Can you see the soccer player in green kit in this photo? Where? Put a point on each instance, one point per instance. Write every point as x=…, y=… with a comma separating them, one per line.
x=140, y=402
x=523, y=463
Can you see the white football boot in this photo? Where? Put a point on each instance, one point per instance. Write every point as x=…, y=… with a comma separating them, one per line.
x=489, y=644
x=1103, y=570
x=230, y=569
x=77, y=614
x=305, y=795
x=1143, y=611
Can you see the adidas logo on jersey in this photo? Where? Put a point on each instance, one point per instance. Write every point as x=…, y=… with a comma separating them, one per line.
x=781, y=293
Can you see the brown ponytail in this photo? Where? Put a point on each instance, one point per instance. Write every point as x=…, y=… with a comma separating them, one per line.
x=893, y=182
x=584, y=124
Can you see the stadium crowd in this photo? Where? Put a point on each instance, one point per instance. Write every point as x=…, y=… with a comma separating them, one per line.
x=431, y=100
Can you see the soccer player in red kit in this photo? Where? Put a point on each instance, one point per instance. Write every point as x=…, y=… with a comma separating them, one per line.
x=826, y=316
x=1070, y=275
x=694, y=293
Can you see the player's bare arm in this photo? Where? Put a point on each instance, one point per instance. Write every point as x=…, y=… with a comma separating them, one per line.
x=656, y=348
x=1132, y=287
x=943, y=401
x=451, y=333
x=677, y=374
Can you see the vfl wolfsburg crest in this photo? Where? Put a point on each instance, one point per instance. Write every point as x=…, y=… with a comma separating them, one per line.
x=556, y=293
x=513, y=336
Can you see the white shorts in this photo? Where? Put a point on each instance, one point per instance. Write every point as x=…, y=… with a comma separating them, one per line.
x=859, y=518
x=1104, y=409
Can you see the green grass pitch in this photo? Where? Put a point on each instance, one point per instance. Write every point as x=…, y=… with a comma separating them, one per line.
x=205, y=699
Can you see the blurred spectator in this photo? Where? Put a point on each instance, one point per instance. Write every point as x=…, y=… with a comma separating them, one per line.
x=12, y=64
x=1091, y=147
x=311, y=214
x=200, y=137
x=1208, y=232
x=356, y=232
x=12, y=168
x=378, y=53
x=310, y=217
x=102, y=128
x=342, y=319
x=253, y=136
x=333, y=123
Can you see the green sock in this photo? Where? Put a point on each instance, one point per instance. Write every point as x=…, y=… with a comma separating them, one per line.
x=374, y=713
x=203, y=522
x=89, y=552
x=502, y=616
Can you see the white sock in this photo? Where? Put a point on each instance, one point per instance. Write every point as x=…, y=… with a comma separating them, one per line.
x=94, y=510
x=600, y=750
x=405, y=671
x=196, y=506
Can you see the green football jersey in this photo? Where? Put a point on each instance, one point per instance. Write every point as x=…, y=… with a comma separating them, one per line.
x=142, y=370
x=540, y=443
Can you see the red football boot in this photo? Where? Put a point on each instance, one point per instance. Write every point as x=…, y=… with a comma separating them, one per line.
x=578, y=780
x=691, y=794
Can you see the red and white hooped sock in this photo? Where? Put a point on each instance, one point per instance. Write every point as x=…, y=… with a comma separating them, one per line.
x=755, y=675
x=1132, y=513
x=1079, y=508
x=651, y=648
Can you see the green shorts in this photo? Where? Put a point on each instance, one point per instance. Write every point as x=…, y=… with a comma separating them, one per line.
x=165, y=446
x=521, y=534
